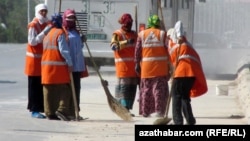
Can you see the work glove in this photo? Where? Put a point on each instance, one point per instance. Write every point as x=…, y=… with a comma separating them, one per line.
x=138, y=69
x=83, y=38
x=115, y=47
x=131, y=41
x=104, y=82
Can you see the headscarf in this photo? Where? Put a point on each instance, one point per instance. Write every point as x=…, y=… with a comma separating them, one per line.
x=170, y=31
x=177, y=32
x=179, y=29
x=126, y=21
x=38, y=8
x=56, y=19
x=69, y=24
x=154, y=21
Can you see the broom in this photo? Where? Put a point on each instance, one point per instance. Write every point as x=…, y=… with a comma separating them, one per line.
x=114, y=105
x=72, y=85
x=165, y=120
x=74, y=97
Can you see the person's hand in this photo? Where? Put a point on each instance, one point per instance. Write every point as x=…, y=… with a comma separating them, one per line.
x=131, y=41
x=138, y=69
x=104, y=82
x=47, y=29
x=115, y=47
x=83, y=38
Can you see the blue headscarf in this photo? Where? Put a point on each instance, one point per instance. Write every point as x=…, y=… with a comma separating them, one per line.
x=56, y=20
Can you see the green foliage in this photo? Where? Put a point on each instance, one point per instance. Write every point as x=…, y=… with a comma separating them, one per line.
x=14, y=17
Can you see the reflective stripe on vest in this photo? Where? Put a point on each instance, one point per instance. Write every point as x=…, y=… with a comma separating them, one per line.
x=54, y=63
x=154, y=58
x=188, y=56
x=124, y=59
x=30, y=54
x=183, y=56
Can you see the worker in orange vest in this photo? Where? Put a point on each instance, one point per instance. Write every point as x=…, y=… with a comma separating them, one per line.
x=37, y=29
x=123, y=44
x=56, y=69
x=153, y=65
x=188, y=77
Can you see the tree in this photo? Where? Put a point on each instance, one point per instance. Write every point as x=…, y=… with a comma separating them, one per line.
x=14, y=16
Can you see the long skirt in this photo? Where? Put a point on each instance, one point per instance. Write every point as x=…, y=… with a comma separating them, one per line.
x=153, y=95
x=125, y=91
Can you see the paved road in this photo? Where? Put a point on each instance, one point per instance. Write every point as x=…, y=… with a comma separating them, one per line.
x=17, y=125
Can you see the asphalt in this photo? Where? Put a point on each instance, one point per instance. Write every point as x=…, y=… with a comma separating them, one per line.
x=213, y=108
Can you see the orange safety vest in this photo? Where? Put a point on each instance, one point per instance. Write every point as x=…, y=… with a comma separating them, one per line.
x=155, y=54
x=54, y=67
x=34, y=53
x=187, y=63
x=124, y=58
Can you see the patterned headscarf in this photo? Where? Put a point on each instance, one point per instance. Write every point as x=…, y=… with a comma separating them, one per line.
x=69, y=24
x=126, y=21
x=154, y=21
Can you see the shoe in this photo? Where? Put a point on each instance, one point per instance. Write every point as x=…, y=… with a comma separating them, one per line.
x=145, y=115
x=61, y=116
x=159, y=115
x=132, y=115
x=74, y=118
x=53, y=117
x=37, y=115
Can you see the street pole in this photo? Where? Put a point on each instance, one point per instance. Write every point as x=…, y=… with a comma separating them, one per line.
x=191, y=20
x=28, y=11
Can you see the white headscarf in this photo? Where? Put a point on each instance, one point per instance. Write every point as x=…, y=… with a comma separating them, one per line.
x=170, y=31
x=38, y=15
x=177, y=31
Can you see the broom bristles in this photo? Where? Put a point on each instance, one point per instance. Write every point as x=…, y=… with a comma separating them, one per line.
x=116, y=107
x=162, y=121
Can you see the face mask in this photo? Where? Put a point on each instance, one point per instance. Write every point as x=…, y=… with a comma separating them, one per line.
x=70, y=24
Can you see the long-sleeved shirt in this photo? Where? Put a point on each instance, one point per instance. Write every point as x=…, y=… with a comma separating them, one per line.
x=64, y=49
x=75, y=47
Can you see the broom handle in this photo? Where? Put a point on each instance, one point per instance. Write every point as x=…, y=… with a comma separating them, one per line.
x=74, y=96
x=91, y=57
x=71, y=81
x=168, y=105
x=136, y=21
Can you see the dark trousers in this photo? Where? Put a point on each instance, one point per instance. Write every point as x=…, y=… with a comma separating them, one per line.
x=57, y=97
x=77, y=85
x=181, y=101
x=35, y=94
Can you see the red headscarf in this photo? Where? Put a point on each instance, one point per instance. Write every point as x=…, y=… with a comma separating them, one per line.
x=126, y=21
x=69, y=24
